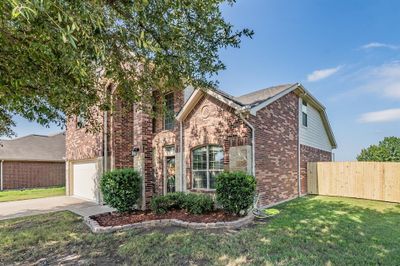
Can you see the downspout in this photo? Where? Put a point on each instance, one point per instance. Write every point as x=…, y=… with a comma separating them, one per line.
x=105, y=153
x=1, y=175
x=298, y=144
x=298, y=149
x=253, y=144
x=181, y=155
x=105, y=142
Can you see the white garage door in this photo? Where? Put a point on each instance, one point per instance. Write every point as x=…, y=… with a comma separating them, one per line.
x=85, y=180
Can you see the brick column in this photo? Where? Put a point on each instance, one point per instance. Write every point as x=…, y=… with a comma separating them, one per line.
x=143, y=161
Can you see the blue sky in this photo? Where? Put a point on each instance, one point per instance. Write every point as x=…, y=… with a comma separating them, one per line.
x=347, y=53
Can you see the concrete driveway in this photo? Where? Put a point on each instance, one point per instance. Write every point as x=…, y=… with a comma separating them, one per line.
x=13, y=209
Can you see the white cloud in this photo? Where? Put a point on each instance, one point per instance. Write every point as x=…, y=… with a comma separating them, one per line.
x=388, y=115
x=379, y=45
x=385, y=80
x=322, y=73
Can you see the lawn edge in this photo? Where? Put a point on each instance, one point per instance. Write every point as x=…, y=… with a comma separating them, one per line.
x=96, y=228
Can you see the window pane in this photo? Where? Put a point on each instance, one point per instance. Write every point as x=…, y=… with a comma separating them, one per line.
x=200, y=159
x=305, y=119
x=216, y=158
x=199, y=179
x=169, y=119
x=213, y=175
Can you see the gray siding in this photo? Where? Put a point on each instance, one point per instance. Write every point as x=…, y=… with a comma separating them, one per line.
x=314, y=135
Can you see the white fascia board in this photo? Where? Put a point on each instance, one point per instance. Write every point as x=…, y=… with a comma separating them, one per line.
x=189, y=105
x=223, y=99
x=196, y=96
x=322, y=110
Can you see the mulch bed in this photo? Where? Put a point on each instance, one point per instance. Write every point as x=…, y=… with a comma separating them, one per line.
x=115, y=218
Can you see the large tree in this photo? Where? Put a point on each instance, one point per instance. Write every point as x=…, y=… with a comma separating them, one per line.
x=55, y=54
x=388, y=150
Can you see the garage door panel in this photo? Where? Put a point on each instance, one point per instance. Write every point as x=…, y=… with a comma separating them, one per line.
x=85, y=180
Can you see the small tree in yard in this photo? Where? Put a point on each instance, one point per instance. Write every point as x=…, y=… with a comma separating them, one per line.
x=235, y=191
x=388, y=150
x=121, y=189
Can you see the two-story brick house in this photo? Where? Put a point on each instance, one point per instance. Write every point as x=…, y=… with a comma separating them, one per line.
x=271, y=133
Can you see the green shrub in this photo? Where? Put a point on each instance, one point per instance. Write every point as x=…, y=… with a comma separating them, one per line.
x=192, y=203
x=121, y=188
x=235, y=191
x=177, y=199
x=198, y=203
x=162, y=204
x=159, y=204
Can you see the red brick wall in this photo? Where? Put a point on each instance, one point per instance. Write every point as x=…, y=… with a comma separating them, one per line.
x=121, y=135
x=81, y=144
x=276, y=161
x=310, y=154
x=19, y=175
x=212, y=122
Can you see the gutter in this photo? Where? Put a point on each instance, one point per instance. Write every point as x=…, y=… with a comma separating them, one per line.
x=298, y=147
x=1, y=175
x=181, y=155
x=253, y=142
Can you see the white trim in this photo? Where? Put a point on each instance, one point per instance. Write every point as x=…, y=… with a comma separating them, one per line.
x=223, y=99
x=207, y=170
x=187, y=107
x=196, y=96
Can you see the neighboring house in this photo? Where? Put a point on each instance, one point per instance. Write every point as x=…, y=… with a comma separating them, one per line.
x=32, y=161
x=271, y=133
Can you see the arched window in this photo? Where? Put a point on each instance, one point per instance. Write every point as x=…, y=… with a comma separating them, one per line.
x=208, y=162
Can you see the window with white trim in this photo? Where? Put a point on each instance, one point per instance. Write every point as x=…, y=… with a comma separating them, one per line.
x=207, y=164
x=304, y=113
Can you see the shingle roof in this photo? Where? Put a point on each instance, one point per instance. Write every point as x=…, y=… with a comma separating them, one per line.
x=34, y=148
x=253, y=98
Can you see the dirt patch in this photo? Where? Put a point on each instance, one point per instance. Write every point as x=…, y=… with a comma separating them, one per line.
x=115, y=218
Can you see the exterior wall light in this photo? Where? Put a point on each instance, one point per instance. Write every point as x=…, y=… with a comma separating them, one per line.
x=135, y=151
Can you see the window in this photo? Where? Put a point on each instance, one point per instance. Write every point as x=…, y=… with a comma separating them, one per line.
x=80, y=121
x=208, y=162
x=304, y=113
x=169, y=117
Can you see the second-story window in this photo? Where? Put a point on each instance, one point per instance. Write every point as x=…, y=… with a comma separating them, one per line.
x=169, y=116
x=80, y=121
x=304, y=113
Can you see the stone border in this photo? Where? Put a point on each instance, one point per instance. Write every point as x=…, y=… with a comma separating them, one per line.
x=96, y=228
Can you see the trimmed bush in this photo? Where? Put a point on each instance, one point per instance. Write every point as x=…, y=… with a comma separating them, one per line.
x=192, y=203
x=198, y=203
x=121, y=189
x=235, y=191
x=162, y=204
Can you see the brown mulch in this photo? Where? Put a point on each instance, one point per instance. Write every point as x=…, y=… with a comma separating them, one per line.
x=115, y=218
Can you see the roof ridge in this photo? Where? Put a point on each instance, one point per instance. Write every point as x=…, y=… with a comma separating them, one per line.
x=267, y=88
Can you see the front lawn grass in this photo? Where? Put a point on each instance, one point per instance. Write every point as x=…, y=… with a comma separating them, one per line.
x=307, y=231
x=12, y=195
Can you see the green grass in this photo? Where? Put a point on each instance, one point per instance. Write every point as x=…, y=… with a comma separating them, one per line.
x=12, y=195
x=308, y=231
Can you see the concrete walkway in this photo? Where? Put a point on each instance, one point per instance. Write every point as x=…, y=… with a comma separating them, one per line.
x=13, y=209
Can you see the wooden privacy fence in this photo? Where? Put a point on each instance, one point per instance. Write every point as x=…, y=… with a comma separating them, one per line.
x=366, y=180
